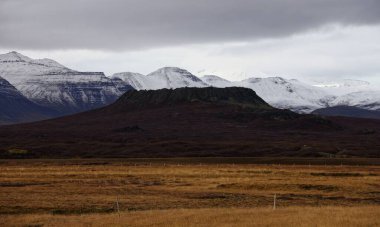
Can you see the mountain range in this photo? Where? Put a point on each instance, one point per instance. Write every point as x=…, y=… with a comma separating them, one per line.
x=51, y=85
x=277, y=91
x=61, y=91
x=196, y=122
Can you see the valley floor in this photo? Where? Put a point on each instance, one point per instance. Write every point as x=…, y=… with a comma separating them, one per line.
x=185, y=192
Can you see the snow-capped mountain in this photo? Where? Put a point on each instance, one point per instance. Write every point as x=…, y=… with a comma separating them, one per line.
x=50, y=84
x=17, y=68
x=168, y=77
x=16, y=108
x=369, y=100
x=217, y=81
x=277, y=91
x=136, y=80
x=288, y=94
x=280, y=92
x=304, y=98
x=343, y=87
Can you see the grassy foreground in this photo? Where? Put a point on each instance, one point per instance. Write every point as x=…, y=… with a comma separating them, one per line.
x=291, y=216
x=167, y=193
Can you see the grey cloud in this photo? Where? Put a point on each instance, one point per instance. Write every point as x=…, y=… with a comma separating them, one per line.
x=139, y=24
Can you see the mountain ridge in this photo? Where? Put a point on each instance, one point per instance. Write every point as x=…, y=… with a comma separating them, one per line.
x=52, y=85
x=191, y=122
x=15, y=108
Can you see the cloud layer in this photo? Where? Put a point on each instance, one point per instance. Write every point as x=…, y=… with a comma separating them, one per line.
x=120, y=25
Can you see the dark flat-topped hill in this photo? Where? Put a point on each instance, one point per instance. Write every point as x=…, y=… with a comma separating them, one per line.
x=164, y=97
x=191, y=122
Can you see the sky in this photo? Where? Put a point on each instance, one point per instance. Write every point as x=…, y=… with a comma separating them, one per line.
x=310, y=40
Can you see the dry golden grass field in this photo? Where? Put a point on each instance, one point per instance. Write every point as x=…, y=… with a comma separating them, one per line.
x=177, y=193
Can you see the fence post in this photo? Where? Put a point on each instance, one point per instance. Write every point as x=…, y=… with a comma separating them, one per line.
x=274, y=201
x=117, y=206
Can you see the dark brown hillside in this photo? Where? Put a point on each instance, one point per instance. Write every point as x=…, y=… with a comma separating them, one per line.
x=191, y=122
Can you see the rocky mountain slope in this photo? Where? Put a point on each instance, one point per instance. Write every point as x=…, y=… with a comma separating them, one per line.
x=52, y=85
x=15, y=108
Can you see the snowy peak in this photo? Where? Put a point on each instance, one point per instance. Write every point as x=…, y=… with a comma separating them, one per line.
x=136, y=80
x=216, y=81
x=288, y=94
x=369, y=100
x=173, y=77
x=174, y=72
x=17, y=68
x=168, y=77
x=14, y=57
x=52, y=85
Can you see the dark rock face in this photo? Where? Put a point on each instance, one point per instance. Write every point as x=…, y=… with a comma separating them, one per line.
x=15, y=108
x=232, y=95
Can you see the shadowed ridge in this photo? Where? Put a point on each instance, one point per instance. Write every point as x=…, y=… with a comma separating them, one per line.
x=347, y=111
x=164, y=97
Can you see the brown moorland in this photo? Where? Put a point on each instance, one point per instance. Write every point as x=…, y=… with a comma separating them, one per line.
x=171, y=193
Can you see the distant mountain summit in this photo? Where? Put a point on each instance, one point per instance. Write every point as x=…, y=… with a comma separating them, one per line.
x=288, y=94
x=15, y=108
x=55, y=86
x=369, y=100
x=167, y=77
x=217, y=81
x=17, y=68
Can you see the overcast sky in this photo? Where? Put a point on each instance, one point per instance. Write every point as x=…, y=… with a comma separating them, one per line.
x=304, y=39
